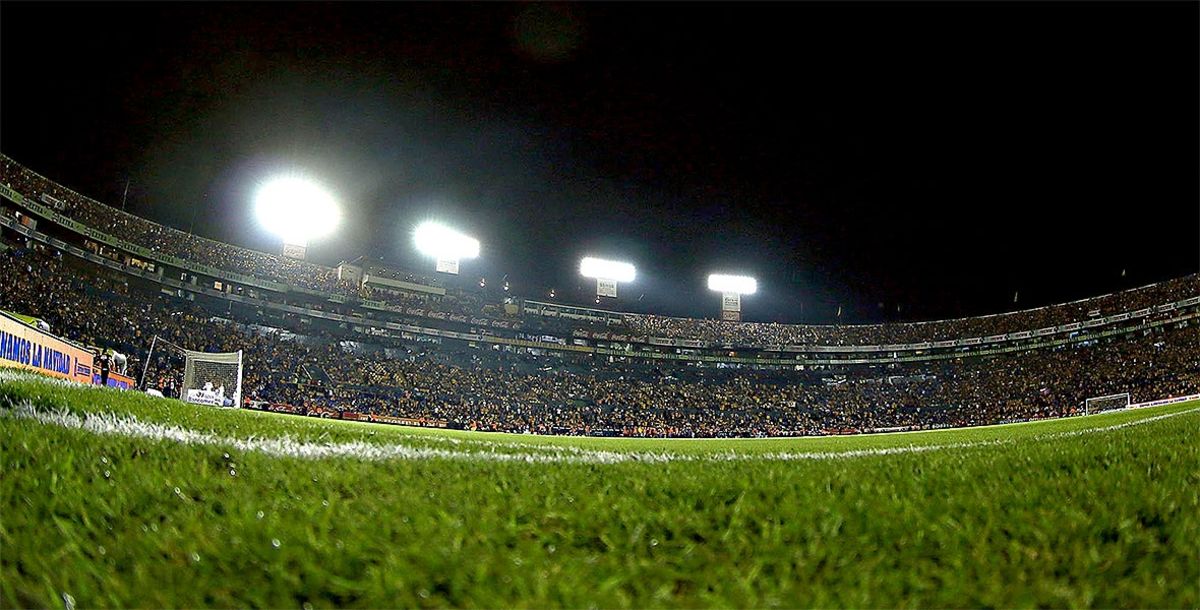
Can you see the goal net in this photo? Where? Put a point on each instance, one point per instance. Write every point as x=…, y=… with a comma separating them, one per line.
x=208, y=378
x=1101, y=404
x=213, y=379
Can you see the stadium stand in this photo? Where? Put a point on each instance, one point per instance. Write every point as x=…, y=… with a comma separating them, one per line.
x=321, y=346
x=285, y=273
x=721, y=332
x=457, y=386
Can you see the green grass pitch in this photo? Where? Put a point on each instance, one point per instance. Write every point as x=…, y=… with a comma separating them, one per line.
x=118, y=499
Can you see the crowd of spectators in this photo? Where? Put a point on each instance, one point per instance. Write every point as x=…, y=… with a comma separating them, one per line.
x=173, y=242
x=166, y=240
x=462, y=307
x=716, y=332
x=485, y=390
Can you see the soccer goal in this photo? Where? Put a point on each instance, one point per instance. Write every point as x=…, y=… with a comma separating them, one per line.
x=209, y=378
x=1100, y=404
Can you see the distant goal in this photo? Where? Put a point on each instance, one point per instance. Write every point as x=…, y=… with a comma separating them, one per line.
x=209, y=378
x=213, y=379
x=1100, y=404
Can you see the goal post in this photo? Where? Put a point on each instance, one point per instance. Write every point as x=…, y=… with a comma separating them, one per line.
x=1100, y=404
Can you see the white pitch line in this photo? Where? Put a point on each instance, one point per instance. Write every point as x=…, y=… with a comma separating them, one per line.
x=130, y=427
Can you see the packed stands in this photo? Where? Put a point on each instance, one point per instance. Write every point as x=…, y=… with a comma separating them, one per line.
x=717, y=332
x=464, y=307
x=494, y=390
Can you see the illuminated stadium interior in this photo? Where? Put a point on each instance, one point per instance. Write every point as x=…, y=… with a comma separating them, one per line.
x=599, y=305
x=360, y=341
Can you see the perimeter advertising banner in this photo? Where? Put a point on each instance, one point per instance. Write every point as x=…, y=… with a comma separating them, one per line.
x=25, y=347
x=404, y=421
x=115, y=380
x=205, y=397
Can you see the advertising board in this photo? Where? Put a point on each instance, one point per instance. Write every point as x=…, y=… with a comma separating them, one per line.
x=28, y=348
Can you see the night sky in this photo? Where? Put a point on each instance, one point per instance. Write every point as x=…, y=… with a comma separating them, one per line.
x=901, y=161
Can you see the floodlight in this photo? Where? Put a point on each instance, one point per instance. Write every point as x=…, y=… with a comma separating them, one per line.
x=732, y=287
x=296, y=209
x=441, y=242
x=606, y=270
x=733, y=284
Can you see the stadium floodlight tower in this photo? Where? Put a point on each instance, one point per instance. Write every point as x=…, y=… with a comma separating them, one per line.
x=298, y=210
x=445, y=245
x=607, y=274
x=732, y=287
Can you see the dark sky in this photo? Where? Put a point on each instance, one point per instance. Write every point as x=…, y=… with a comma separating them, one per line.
x=932, y=157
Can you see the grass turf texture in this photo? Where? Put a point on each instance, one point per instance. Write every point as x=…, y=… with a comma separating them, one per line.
x=1021, y=515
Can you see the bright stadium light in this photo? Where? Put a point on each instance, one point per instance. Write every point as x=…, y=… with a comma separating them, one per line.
x=732, y=287
x=297, y=210
x=601, y=269
x=740, y=284
x=446, y=245
x=607, y=274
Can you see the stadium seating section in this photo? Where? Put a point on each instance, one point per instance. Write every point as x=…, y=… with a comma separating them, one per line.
x=300, y=365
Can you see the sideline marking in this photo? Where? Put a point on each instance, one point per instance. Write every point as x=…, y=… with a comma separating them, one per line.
x=130, y=427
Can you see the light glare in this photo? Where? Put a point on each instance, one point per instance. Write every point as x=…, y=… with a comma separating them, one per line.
x=606, y=270
x=739, y=284
x=442, y=242
x=296, y=209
